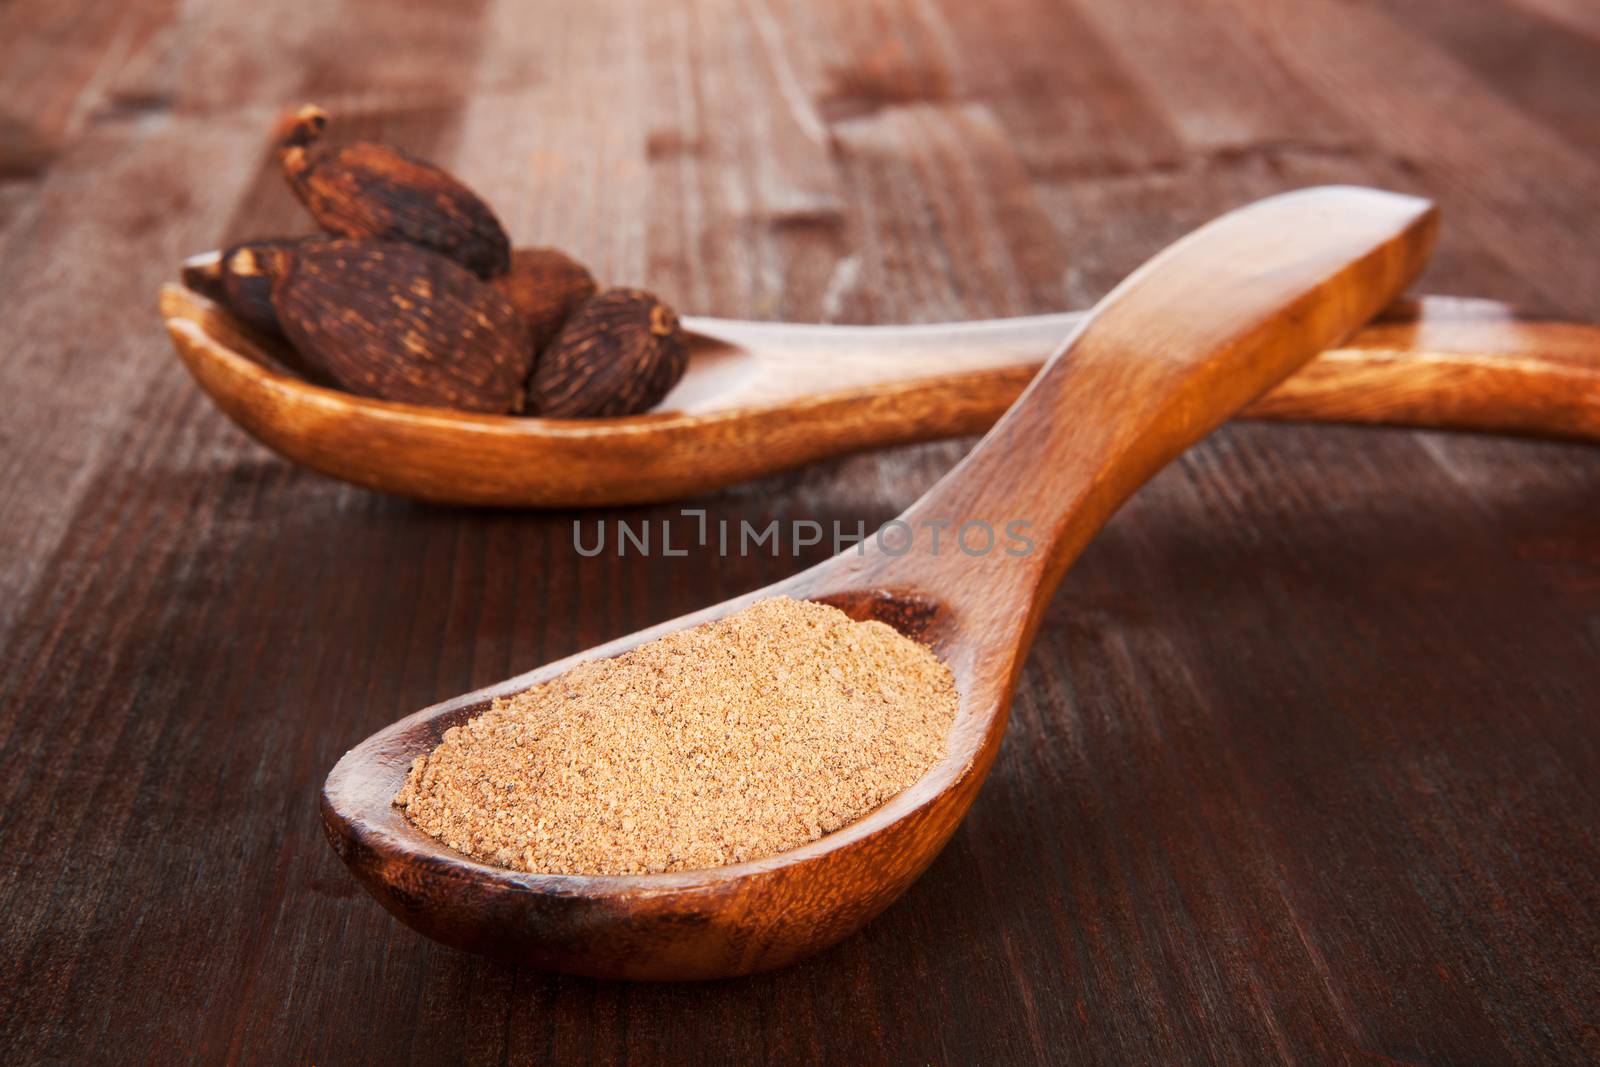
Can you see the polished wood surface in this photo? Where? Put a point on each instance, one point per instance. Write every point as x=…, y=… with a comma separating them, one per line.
x=1300, y=767
x=1188, y=339
x=760, y=398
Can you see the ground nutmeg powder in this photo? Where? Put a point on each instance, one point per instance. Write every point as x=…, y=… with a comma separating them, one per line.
x=730, y=741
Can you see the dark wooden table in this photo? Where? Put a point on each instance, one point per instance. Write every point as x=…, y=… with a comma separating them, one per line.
x=1303, y=766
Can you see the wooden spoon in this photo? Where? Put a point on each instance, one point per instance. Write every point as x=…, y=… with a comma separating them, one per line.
x=764, y=397
x=1183, y=343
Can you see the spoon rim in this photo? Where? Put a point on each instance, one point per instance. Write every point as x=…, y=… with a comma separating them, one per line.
x=528, y=427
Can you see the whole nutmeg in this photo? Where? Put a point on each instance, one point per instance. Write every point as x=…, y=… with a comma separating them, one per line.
x=618, y=354
x=397, y=322
x=372, y=190
x=240, y=278
x=545, y=285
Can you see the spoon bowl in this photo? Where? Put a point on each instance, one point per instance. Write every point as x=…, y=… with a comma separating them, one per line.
x=1192, y=336
x=693, y=924
x=765, y=397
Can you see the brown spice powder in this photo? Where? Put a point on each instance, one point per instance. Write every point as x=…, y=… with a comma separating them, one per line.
x=731, y=741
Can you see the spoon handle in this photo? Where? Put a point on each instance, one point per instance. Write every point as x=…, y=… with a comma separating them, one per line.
x=1452, y=363
x=1188, y=339
x=1435, y=362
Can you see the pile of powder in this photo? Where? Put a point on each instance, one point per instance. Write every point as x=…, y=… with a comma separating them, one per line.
x=731, y=741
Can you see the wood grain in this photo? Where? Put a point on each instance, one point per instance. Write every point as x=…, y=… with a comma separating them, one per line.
x=1299, y=769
